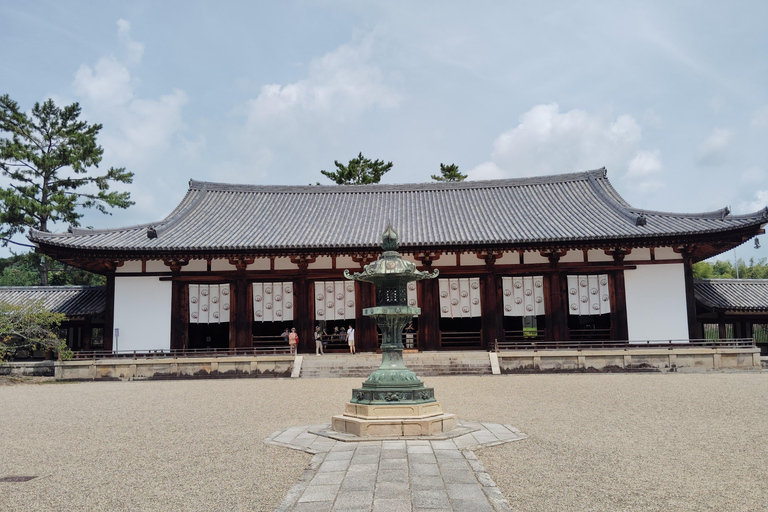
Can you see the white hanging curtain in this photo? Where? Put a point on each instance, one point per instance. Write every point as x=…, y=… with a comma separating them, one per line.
x=460, y=298
x=589, y=295
x=334, y=300
x=208, y=303
x=273, y=302
x=523, y=296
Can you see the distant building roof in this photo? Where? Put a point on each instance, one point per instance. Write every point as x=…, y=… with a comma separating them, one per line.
x=70, y=300
x=568, y=208
x=744, y=295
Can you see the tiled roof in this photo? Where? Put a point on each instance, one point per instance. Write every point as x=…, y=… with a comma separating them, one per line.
x=563, y=208
x=70, y=300
x=733, y=294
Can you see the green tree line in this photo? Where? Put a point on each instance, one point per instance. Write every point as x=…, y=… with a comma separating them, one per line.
x=727, y=269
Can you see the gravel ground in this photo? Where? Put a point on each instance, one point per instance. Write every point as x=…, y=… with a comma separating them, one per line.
x=596, y=442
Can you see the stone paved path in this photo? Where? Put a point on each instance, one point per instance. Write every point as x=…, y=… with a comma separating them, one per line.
x=393, y=475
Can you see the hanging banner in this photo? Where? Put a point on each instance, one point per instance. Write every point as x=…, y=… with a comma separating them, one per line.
x=334, y=300
x=460, y=298
x=208, y=303
x=588, y=295
x=273, y=302
x=523, y=296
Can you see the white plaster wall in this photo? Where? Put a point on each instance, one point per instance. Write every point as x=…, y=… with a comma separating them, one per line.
x=157, y=266
x=534, y=257
x=322, y=262
x=656, y=308
x=129, y=266
x=221, y=265
x=143, y=313
x=285, y=264
x=667, y=253
x=576, y=256
x=260, y=264
x=195, y=266
x=598, y=255
x=638, y=254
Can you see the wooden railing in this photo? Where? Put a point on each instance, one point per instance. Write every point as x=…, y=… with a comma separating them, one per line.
x=262, y=349
x=590, y=334
x=461, y=340
x=621, y=344
x=525, y=335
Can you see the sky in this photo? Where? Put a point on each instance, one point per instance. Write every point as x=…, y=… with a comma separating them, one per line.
x=671, y=97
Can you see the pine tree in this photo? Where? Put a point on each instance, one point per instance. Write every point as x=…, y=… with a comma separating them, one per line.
x=359, y=171
x=449, y=173
x=48, y=157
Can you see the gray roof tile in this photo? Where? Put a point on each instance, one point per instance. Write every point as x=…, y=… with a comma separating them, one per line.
x=563, y=208
x=70, y=300
x=733, y=294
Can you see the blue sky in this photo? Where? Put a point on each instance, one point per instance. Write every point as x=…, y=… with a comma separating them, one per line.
x=671, y=97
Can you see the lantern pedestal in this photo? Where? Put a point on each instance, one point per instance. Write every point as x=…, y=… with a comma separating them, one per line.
x=401, y=420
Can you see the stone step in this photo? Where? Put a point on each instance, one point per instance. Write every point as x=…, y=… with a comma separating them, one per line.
x=423, y=364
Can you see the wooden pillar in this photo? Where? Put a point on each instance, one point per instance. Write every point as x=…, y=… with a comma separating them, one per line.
x=619, y=328
x=366, y=333
x=303, y=313
x=694, y=332
x=109, y=314
x=429, y=320
x=86, y=331
x=555, y=295
x=492, y=314
x=179, y=315
x=721, y=326
x=240, y=329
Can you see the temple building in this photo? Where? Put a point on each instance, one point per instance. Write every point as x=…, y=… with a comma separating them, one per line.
x=559, y=258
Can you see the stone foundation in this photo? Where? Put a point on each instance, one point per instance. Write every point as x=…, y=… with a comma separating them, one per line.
x=175, y=368
x=400, y=420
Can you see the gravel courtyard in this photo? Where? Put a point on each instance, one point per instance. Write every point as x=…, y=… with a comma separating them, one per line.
x=596, y=442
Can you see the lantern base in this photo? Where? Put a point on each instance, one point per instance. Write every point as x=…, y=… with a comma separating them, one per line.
x=401, y=420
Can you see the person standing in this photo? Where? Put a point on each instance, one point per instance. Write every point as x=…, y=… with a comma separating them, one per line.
x=318, y=342
x=293, y=341
x=351, y=339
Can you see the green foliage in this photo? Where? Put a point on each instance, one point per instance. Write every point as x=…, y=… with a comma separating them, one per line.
x=359, y=171
x=449, y=173
x=24, y=270
x=727, y=270
x=48, y=157
x=29, y=327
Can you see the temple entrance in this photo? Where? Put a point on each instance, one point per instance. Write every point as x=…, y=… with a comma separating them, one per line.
x=525, y=328
x=461, y=333
x=208, y=336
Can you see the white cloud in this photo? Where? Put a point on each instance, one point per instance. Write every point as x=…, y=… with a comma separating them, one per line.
x=645, y=163
x=135, y=128
x=107, y=84
x=339, y=86
x=643, y=171
x=760, y=202
x=712, y=151
x=134, y=50
x=547, y=141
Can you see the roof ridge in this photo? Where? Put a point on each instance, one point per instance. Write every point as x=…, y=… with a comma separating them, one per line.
x=621, y=209
x=393, y=187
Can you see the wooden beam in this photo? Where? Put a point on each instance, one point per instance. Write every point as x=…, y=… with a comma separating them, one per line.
x=618, y=298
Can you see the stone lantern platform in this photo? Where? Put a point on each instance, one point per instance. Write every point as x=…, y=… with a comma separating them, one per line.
x=401, y=420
